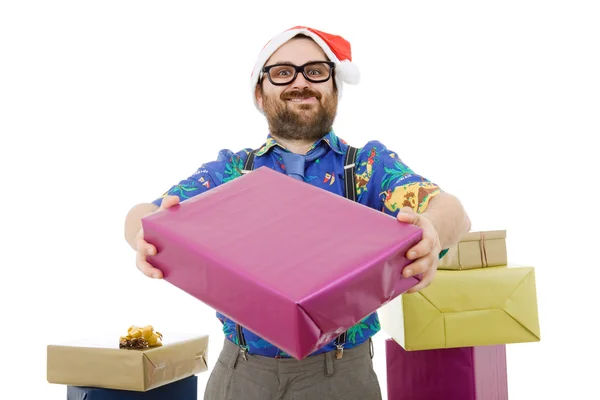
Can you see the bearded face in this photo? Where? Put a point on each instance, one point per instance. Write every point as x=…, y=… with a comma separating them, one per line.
x=301, y=110
x=300, y=114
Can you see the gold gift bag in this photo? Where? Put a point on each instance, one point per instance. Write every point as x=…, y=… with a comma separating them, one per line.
x=477, y=307
x=102, y=364
x=477, y=250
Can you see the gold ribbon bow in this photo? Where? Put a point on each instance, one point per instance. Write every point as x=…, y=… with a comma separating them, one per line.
x=140, y=338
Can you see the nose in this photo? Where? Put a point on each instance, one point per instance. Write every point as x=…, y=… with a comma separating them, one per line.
x=300, y=82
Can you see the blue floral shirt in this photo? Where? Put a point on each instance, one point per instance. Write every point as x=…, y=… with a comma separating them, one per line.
x=383, y=182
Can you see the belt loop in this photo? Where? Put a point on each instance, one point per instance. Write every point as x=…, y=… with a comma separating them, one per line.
x=233, y=358
x=371, y=348
x=329, y=363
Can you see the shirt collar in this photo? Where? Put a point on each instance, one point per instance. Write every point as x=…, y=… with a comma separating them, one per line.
x=334, y=143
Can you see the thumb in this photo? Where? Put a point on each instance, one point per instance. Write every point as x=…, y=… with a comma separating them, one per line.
x=407, y=214
x=169, y=201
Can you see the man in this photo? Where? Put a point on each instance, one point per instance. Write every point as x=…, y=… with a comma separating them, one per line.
x=296, y=83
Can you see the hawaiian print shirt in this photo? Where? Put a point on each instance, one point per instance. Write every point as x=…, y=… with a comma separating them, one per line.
x=383, y=182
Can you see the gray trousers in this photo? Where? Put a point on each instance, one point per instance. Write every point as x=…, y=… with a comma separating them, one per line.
x=320, y=377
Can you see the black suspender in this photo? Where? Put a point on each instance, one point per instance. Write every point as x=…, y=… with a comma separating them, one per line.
x=242, y=341
x=249, y=164
x=350, y=194
x=349, y=173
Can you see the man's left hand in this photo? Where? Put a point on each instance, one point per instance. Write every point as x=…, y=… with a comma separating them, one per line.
x=425, y=254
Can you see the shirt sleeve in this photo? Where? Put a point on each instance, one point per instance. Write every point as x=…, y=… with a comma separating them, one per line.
x=226, y=167
x=388, y=184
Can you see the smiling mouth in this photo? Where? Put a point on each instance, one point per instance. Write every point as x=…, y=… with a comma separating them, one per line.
x=303, y=100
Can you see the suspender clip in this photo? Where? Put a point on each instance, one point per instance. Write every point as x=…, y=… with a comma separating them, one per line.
x=242, y=342
x=339, y=344
x=244, y=353
x=339, y=351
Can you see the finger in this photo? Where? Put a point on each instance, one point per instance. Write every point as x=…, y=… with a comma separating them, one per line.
x=421, y=249
x=146, y=268
x=145, y=247
x=169, y=201
x=408, y=217
x=428, y=277
x=417, y=267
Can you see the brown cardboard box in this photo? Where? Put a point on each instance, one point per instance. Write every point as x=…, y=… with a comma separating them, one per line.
x=104, y=365
x=477, y=250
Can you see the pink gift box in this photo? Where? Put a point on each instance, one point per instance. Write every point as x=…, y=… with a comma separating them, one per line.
x=293, y=263
x=463, y=373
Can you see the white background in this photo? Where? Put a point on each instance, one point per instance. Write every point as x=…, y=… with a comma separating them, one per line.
x=105, y=104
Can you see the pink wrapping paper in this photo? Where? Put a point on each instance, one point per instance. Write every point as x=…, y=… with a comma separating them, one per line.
x=466, y=373
x=293, y=263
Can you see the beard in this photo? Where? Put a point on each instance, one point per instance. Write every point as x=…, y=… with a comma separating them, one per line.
x=300, y=122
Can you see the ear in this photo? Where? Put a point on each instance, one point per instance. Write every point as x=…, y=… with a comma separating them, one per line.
x=259, y=97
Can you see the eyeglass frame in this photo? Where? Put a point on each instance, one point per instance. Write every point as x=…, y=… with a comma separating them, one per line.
x=300, y=68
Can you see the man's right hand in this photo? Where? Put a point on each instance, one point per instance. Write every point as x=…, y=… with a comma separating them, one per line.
x=145, y=249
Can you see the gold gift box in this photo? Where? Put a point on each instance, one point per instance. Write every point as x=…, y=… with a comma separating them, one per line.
x=477, y=307
x=477, y=250
x=104, y=365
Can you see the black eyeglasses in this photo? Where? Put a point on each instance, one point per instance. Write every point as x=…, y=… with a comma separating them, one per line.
x=314, y=71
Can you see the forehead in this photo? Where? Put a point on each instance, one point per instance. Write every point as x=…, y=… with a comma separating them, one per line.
x=298, y=51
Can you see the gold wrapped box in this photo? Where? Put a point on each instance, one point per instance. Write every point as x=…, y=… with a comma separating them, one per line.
x=102, y=364
x=477, y=250
x=477, y=307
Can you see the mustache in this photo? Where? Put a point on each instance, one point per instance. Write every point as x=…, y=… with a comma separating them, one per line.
x=299, y=94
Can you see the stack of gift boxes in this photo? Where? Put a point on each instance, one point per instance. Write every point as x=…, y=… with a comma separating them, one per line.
x=449, y=340
x=299, y=266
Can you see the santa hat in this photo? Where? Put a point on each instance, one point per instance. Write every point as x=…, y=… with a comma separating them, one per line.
x=335, y=47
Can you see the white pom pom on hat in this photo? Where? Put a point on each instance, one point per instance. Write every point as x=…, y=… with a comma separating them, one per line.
x=336, y=48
